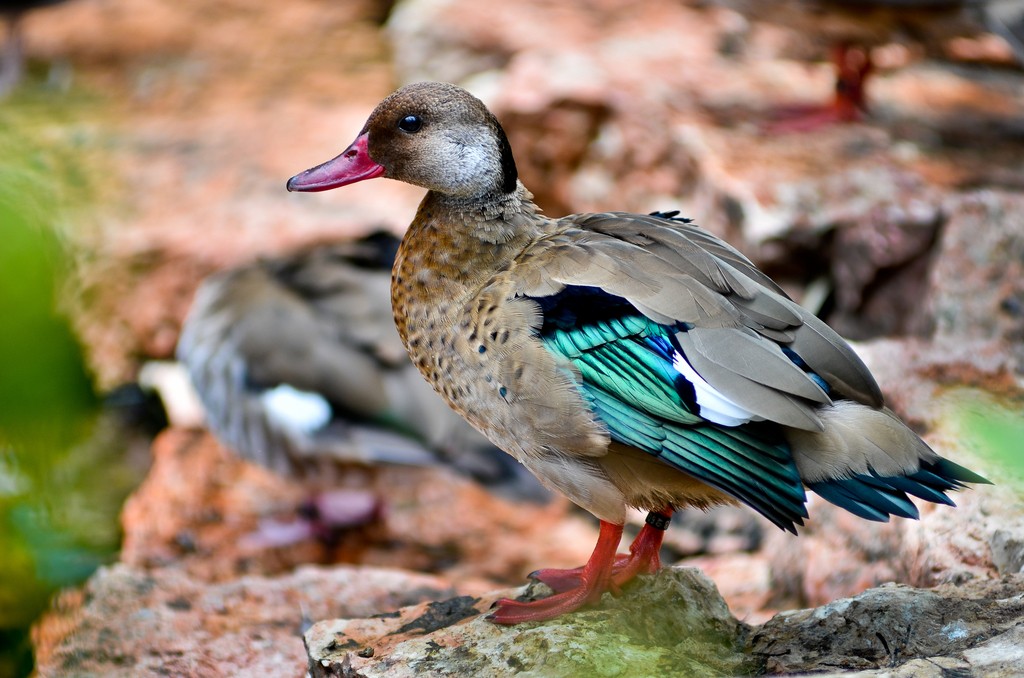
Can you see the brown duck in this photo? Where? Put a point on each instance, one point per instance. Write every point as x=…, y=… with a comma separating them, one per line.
x=300, y=369
x=625, y=359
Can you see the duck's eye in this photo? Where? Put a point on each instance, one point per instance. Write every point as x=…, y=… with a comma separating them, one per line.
x=410, y=123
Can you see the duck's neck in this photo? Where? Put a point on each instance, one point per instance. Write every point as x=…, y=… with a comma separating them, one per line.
x=455, y=246
x=494, y=219
x=465, y=241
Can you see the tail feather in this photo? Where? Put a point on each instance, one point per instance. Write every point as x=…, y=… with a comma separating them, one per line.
x=876, y=497
x=952, y=473
x=924, y=485
x=857, y=439
x=865, y=500
x=870, y=463
x=726, y=464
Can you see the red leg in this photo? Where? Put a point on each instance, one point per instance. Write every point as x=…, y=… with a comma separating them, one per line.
x=644, y=552
x=559, y=580
x=594, y=580
x=853, y=66
x=641, y=559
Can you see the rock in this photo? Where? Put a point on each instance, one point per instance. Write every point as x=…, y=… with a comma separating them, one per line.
x=199, y=504
x=132, y=622
x=977, y=282
x=196, y=505
x=1008, y=550
x=953, y=388
x=745, y=580
x=192, y=597
x=871, y=233
x=972, y=629
x=674, y=623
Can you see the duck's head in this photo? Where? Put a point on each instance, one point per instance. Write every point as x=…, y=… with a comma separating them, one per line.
x=429, y=134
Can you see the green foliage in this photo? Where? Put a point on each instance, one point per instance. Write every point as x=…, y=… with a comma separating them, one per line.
x=44, y=387
x=996, y=431
x=59, y=491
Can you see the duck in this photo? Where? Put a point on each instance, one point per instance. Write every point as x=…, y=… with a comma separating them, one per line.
x=850, y=28
x=13, y=59
x=627, y=360
x=298, y=367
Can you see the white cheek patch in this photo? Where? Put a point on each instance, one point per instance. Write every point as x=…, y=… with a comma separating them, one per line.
x=298, y=410
x=469, y=165
x=714, y=406
x=473, y=162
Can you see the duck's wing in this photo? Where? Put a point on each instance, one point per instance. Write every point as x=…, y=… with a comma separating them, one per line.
x=289, y=378
x=736, y=329
x=628, y=375
x=683, y=349
x=312, y=321
x=298, y=363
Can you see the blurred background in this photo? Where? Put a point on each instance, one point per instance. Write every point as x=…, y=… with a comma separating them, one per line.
x=144, y=145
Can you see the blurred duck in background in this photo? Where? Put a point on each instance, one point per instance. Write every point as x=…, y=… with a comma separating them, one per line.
x=299, y=368
x=13, y=57
x=850, y=28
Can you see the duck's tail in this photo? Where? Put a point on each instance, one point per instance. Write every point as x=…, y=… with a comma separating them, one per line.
x=867, y=461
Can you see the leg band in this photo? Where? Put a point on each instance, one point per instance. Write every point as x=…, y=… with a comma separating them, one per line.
x=658, y=521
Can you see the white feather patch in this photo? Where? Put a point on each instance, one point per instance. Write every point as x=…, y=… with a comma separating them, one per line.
x=297, y=410
x=714, y=406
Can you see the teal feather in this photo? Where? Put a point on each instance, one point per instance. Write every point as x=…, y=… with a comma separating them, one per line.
x=723, y=462
x=574, y=342
x=631, y=385
x=761, y=474
x=631, y=371
x=876, y=497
